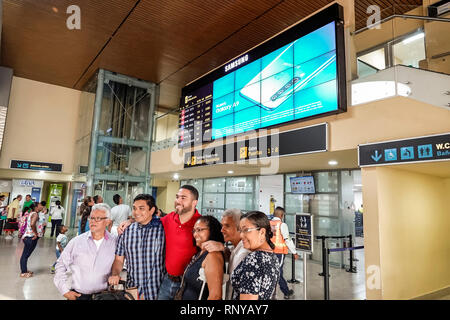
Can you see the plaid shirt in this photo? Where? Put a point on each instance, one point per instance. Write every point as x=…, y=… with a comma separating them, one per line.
x=143, y=247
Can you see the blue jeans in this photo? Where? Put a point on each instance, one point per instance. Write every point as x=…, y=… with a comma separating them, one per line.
x=58, y=254
x=168, y=288
x=283, y=285
x=28, y=248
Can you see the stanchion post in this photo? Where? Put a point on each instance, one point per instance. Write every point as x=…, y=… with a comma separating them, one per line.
x=293, y=280
x=352, y=269
x=323, y=255
x=326, y=281
x=304, y=276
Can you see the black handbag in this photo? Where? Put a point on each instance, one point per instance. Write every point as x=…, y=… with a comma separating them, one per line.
x=114, y=294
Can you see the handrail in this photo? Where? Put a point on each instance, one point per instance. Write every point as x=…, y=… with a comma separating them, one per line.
x=406, y=16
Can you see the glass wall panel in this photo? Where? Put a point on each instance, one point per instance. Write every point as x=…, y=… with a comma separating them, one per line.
x=240, y=184
x=214, y=185
x=242, y=201
x=213, y=200
x=326, y=181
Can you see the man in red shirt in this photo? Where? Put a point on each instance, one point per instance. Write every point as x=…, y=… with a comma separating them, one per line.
x=180, y=247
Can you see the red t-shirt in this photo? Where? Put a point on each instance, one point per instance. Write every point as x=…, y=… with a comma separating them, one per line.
x=179, y=244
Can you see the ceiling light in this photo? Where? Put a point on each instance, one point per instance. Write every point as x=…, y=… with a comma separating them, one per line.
x=332, y=162
x=230, y=171
x=414, y=38
x=176, y=176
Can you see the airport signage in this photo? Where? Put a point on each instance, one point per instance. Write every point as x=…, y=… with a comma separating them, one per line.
x=294, y=76
x=38, y=166
x=299, y=141
x=420, y=149
x=304, y=232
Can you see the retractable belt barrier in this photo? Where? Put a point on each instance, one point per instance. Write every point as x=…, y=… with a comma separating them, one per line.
x=325, y=260
x=293, y=280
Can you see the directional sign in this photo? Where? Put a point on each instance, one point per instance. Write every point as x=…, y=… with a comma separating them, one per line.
x=420, y=149
x=304, y=232
x=32, y=165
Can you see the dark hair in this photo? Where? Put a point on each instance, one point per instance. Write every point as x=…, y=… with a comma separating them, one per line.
x=215, y=233
x=28, y=195
x=86, y=200
x=60, y=227
x=44, y=203
x=260, y=220
x=32, y=207
x=280, y=208
x=116, y=198
x=58, y=203
x=25, y=209
x=148, y=198
x=96, y=198
x=192, y=189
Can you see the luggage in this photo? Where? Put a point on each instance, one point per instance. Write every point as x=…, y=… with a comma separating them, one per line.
x=114, y=294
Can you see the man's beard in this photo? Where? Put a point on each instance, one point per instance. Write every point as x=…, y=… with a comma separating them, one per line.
x=185, y=210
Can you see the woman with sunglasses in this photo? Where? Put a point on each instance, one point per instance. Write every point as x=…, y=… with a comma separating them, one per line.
x=256, y=277
x=211, y=264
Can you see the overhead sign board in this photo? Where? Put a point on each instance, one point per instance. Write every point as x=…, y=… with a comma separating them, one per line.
x=420, y=149
x=304, y=232
x=39, y=166
x=296, y=75
x=304, y=140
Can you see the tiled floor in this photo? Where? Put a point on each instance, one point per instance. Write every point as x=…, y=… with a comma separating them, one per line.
x=343, y=285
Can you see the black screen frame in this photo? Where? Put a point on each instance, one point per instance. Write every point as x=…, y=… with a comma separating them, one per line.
x=334, y=13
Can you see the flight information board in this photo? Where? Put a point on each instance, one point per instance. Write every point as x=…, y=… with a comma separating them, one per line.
x=296, y=75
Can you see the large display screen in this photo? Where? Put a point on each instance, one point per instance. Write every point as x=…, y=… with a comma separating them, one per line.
x=298, y=80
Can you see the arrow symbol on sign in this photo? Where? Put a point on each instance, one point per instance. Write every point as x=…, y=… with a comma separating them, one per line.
x=376, y=157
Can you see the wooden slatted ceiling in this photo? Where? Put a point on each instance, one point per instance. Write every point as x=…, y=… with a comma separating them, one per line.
x=167, y=42
x=37, y=44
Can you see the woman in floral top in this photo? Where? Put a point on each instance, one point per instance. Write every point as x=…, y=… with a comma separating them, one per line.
x=256, y=277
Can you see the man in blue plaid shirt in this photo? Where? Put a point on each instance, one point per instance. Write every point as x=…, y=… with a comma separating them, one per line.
x=143, y=245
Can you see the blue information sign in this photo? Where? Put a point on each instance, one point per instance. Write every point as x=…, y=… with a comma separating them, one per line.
x=420, y=149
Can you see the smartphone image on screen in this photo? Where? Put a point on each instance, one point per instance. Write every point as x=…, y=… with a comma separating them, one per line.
x=277, y=88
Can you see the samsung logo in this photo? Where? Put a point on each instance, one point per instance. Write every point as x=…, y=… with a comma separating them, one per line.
x=236, y=63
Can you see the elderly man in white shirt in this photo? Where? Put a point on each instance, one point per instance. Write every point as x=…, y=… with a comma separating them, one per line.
x=230, y=231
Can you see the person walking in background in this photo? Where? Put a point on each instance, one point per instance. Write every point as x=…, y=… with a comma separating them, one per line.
x=230, y=230
x=2, y=212
x=256, y=277
x=282, y=243
x=61, y=242
x=142, y=245
x=84, y=225
x=98, y=199
x=120, y=213
x=11, y=219
x=28, y=201
x=57, y=214
x=205, y=266
x=30, y=239
x=45, y=212
x=89, y=256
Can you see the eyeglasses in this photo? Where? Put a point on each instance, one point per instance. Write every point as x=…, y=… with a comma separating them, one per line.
x=198, y=230
x=97, y=219
x=247, y=230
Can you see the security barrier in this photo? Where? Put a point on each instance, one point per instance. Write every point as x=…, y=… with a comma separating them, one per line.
x=325, y=260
